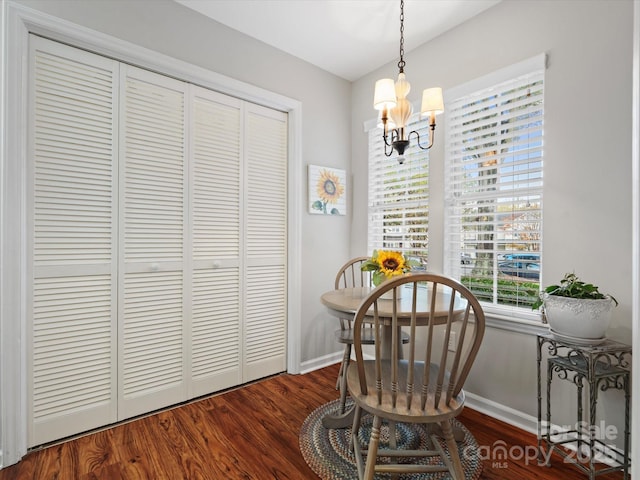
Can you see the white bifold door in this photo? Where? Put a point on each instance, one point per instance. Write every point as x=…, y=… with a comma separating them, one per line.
x=157, y=219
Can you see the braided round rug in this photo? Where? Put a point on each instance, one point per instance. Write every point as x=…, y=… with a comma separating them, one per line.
x=328, y=454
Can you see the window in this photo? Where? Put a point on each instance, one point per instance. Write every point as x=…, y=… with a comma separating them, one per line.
x=399, y=197
x=493, y=185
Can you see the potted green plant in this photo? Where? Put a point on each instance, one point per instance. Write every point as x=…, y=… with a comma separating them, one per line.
x=576, y=310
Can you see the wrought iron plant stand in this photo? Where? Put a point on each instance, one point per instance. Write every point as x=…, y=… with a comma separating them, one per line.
x=598, y=367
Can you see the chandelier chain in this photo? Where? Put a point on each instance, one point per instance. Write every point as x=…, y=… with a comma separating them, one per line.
x=401, y=63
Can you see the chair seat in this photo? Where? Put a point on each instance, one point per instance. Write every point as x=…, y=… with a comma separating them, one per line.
x=368, y=337
x=400, y=413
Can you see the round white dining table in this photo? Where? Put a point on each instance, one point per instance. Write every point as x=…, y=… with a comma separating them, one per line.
x=344, y=303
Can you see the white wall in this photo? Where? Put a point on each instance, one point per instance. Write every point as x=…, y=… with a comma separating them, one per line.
x=587, y=192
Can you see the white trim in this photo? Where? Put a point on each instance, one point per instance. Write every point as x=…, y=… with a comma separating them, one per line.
x=517, y=325
x=294, y=241
x=13, y=434
x=508, y=415
x=18, y=21
x=635, y=269
x=321, y=362
x=525, y=67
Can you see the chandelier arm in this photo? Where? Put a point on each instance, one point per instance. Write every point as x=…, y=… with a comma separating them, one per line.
x=390, y=136
x=388, y=143
x=431, y=131
x=387, y=153
x=386, y=140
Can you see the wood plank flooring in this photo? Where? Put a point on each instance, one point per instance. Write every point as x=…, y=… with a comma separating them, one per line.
x=248, y=433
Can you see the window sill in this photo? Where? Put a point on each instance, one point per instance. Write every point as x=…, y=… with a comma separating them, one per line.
x=515, y=324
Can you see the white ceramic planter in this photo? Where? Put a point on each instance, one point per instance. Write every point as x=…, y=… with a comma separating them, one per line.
x=580, y=320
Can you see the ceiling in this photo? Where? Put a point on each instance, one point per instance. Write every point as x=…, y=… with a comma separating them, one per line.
x=348, y=38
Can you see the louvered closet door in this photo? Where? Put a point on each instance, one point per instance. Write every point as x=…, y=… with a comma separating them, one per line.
x=154, y=298
x=71, y=231
x=265, y=301
x=216, y=241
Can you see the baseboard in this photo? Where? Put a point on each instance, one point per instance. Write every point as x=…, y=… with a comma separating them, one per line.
x=320, y=362
x=509, y=415
x=326, y=360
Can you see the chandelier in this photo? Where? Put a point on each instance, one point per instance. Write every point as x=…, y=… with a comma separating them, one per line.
x=395, y=110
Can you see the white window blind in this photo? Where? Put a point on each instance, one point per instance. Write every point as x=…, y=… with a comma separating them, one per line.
x=493, y=185
x=399, y=196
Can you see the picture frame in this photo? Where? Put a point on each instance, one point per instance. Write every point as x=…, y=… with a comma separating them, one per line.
x=327, y=191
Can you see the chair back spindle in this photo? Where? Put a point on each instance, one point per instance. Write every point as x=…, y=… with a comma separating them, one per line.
x=351, y=274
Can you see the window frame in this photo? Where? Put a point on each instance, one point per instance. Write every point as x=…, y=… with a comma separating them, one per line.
x=493, y=82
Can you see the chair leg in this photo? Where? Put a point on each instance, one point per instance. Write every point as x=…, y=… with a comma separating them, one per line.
x=355, y=442
x=393, y=445
x=372, y=451
x=343, y=377
x=458, y=473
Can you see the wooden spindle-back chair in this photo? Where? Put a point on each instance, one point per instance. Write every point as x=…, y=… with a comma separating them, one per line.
x=424, y=388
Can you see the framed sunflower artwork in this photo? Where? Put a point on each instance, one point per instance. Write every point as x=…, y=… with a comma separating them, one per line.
x=327, y=191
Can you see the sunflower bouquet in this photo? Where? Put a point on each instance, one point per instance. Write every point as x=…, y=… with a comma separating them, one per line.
x=386, y=264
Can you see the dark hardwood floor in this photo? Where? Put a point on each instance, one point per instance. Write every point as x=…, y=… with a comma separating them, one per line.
x=246, y=433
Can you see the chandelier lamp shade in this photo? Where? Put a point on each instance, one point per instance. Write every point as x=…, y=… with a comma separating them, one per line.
x=390, y=98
